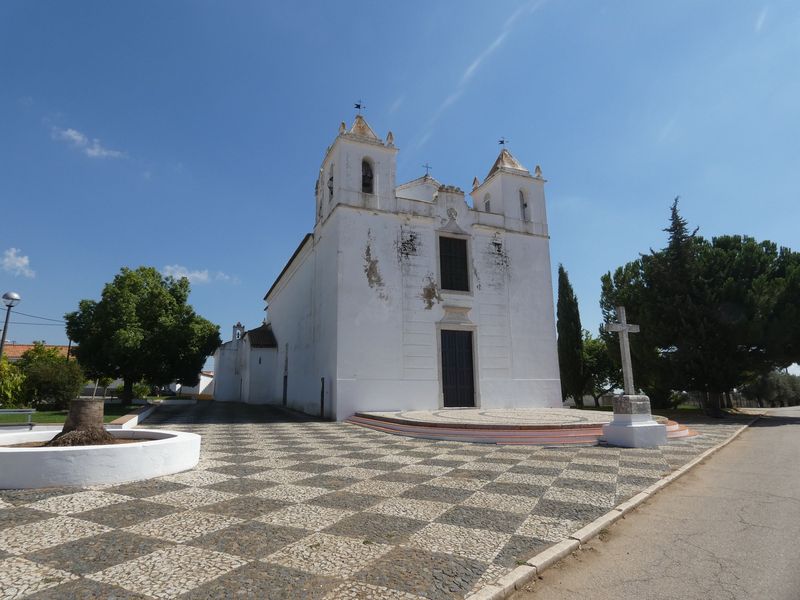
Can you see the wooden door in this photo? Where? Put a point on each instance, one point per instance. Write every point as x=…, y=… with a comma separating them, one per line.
x=458, y=379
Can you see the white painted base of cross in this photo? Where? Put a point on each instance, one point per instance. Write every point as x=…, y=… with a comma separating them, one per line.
x=633, y=425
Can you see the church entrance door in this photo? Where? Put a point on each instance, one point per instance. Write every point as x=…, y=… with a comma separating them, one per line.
x=458, y=380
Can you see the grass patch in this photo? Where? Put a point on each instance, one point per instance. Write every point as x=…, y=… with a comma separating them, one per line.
x=42, y=417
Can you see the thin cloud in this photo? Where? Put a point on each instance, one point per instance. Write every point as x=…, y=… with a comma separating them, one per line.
x=196, y=276
x=394, y=106
x=17, y=264
x=475, y=64
x=760, y=19
x=220, y=276
x=470, y=70
x=90, y=147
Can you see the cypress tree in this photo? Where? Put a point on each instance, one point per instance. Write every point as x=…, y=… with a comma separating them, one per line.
x=570, y=340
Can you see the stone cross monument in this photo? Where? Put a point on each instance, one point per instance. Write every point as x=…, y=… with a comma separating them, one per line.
x=624, y=328
x=633, y=425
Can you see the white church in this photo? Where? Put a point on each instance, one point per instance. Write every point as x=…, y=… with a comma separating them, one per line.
x=405, y=297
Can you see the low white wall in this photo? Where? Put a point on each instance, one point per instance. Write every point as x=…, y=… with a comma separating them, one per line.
x=25, y=468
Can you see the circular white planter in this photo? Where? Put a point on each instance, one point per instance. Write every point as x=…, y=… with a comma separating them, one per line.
x=24, y=468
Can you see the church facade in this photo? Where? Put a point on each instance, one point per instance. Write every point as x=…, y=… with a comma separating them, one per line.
x=405, y=297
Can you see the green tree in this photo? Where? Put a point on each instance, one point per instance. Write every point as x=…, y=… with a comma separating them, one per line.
x=601, y=374
x=51, y=380
x=626, y=287
x=570, y=340
x=776, y=388
x=142, y=329
x=40, y=352
x=11, y=380
x=714, y=314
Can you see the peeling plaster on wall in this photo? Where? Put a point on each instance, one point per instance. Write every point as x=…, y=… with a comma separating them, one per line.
x=408, y=244
x=430, y=292
x=499, y=254
x=374, y=278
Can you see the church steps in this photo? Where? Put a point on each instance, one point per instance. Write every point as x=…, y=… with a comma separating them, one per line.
x=545, y=435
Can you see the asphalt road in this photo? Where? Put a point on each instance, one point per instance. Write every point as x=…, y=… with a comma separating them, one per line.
x=729, y=529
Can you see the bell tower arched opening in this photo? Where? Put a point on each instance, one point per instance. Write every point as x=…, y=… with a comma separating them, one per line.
x=367, y=177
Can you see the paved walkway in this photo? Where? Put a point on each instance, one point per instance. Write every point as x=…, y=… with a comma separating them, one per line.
x=284, y=507
x=727, y=530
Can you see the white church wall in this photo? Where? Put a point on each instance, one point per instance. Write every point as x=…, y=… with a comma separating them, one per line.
x=528, y=332
x=291, y=313
x=302, y=311
x=259, y=388
x=326, y=328
x=390, y=301
x=370, y=313
x=227, y=384
x=490, y=310
x=421, y=190
x=388, y=353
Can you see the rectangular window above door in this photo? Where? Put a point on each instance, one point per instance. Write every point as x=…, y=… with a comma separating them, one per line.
x=453, y=264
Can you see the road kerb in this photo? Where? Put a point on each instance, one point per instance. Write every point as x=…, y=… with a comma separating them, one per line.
x=587, y=532
x=514, y=580
x=632, y=503
x=491, y=592
x=553, y=554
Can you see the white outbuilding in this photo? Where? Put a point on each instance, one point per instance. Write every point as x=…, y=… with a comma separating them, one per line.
x=405, y=297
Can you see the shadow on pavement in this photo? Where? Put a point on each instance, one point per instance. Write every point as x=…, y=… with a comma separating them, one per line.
x=215, y=413
x=776, y=420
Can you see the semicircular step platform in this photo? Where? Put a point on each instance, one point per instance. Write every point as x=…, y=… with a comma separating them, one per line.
x=495, y=433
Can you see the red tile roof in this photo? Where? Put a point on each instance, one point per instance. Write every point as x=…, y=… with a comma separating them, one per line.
x=15, y=351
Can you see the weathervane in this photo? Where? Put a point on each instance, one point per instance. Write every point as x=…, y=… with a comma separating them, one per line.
x=427, y=168
x=359, y=106
x=502, y=141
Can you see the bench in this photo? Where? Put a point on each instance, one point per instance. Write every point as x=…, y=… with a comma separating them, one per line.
x=19, y=411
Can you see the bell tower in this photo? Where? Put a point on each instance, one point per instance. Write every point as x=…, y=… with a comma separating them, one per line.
x=358, y=169
x=510, y=190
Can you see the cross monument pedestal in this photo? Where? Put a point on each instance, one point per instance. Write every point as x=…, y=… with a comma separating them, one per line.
x=633, y=425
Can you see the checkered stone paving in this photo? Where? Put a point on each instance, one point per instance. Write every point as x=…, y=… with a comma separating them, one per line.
x=283, y=506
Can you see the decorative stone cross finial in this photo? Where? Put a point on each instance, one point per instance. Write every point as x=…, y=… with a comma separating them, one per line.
x=624, y=328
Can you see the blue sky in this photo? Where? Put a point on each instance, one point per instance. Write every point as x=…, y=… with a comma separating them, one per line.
x=188, y=135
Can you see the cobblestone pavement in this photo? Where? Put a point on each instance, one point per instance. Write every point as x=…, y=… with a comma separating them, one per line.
x=282, y=507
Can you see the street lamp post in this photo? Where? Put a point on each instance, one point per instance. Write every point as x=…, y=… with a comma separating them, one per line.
x=10, y=299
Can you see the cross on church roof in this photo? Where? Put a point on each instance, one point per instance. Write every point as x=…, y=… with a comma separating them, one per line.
x=359, y=106
x=427, y=168
x=624, y=328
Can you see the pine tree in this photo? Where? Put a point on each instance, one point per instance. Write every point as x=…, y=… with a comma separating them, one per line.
x=570, y=340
